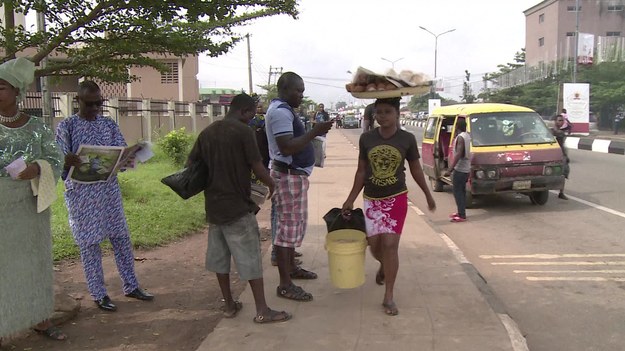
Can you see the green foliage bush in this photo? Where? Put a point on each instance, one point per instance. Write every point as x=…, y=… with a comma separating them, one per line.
x=176, y=145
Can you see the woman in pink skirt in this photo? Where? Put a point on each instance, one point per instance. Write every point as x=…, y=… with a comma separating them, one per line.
x=381, y=173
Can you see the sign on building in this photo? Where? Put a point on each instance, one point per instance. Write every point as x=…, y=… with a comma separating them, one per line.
x=585, y=48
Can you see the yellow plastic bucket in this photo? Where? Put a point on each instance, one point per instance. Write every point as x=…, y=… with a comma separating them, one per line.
x=346, y=257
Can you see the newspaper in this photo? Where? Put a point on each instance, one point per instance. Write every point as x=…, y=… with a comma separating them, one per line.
x=101, y=163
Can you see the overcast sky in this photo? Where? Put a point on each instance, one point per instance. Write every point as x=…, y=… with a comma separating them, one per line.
x=331, y=37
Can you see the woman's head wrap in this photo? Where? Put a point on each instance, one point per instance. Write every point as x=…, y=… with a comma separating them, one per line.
x=20, y=73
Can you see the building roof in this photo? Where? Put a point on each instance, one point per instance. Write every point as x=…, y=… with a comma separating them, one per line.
x=539, y=6
x=219, y=91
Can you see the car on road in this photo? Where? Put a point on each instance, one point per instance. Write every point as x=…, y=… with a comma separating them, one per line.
x=350, y=122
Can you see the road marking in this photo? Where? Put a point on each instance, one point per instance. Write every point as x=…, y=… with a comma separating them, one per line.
x=516, y=337
x=564, y=263
x=575, y=279
x=598, y=207
x=605, y=271
x=454, y=249
x=415, y=208
x=550, y=256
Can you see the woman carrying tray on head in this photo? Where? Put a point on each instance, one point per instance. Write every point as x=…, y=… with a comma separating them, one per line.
x=381, y=173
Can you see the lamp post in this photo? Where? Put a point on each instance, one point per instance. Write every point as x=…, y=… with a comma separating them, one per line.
x=436, y=44
x=392, y=61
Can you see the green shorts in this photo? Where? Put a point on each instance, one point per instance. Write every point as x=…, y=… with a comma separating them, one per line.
x=239, y=240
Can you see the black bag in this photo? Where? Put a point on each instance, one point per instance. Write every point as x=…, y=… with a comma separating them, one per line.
x=334, y=220
x=188, y=182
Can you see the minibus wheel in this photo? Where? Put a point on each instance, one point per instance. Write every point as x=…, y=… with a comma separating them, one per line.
x=469, y=197
x=539, y=197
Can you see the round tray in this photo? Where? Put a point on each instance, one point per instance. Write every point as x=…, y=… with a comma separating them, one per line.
x=383, y=94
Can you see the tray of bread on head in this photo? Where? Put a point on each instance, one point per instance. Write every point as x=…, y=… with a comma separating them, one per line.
x=369, y=85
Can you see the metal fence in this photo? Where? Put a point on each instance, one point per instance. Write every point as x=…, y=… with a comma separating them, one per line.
x=138, y=119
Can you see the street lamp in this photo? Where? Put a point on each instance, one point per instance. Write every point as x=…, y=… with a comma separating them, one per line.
x=392, y=62
x=436, y=44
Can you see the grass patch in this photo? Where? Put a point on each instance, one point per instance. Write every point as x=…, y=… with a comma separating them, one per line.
x=155, y=214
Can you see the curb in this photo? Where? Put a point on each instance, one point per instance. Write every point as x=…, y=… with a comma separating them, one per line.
x=596, y=145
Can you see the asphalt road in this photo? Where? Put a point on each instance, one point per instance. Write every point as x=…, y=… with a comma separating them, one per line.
x=559, y=269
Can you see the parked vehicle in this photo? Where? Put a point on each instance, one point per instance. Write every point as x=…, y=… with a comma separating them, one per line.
x=512, y=150
x=350, y=122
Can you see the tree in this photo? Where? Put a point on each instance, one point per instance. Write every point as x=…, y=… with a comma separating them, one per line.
x=341, y=104
x=103, y=39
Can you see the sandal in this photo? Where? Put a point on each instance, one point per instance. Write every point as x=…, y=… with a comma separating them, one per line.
x=273, y=317
x=301, y=273
x=390, y=308
x=53, y=333
x=294, y=292
x=231, y=314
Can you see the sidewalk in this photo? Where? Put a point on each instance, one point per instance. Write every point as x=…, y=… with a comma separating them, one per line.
x=439, y=306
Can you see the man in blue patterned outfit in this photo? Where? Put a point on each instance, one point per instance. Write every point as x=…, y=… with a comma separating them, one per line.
x=95, y=209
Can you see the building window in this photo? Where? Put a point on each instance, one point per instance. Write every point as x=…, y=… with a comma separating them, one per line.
x=616, y=8
x=613, y=34
x=170, y=77
x=570, y=34
x=541, y=18
x=572, y=8
x=541, y=41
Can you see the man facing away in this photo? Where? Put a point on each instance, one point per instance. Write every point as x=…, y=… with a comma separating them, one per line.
x=229, y=151
x=293, y=158
x=461, y=166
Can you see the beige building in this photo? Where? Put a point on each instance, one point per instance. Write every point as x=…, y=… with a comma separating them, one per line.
x=551, y=24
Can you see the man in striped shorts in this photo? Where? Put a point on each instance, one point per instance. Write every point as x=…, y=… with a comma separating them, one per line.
x=292, y=155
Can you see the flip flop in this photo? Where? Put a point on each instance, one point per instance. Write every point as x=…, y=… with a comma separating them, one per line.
x=231, y=314
x=273, y=317
x=53, y=333
x=390, y=309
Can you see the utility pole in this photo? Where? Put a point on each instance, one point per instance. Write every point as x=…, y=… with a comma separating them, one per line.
x=576, y=41
x=249, y=63
x=46, y=98
x=9, y=25
x=274, y=71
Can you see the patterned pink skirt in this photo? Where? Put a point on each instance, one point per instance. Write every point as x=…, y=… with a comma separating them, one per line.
x=387, y=215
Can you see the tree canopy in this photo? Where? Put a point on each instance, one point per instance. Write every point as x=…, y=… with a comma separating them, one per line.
x=102, y=39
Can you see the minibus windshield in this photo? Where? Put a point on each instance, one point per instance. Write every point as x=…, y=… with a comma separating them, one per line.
x=504, y=128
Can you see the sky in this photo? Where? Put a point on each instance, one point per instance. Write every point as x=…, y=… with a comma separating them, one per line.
x=331, y=37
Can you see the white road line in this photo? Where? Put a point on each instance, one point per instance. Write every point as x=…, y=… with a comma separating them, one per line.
x=550, y=256
x=598, y=207
x=454, y=249
x=415, y=208
x=604, y=271
x=564, y=263
x=516, y=337
x=575, y=279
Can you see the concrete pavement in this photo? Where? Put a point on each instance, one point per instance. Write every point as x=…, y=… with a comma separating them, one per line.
x=440, y=306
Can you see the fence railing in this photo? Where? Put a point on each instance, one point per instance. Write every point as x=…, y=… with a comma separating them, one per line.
x=138, y=119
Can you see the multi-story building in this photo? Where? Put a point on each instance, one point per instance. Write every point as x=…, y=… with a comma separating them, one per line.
x=551, y=29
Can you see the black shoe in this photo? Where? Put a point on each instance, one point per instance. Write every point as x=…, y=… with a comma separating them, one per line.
x=140, y=295
x=106, y=304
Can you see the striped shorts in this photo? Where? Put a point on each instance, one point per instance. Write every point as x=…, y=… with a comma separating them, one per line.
x=291, y=201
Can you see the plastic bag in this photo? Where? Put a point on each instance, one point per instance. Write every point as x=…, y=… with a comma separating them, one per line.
x=335, y=220
x=188, y=182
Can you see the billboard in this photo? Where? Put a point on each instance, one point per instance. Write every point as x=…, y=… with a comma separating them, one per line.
x=576, y=101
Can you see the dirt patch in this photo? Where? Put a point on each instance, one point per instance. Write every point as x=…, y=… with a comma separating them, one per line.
x=186, y=308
